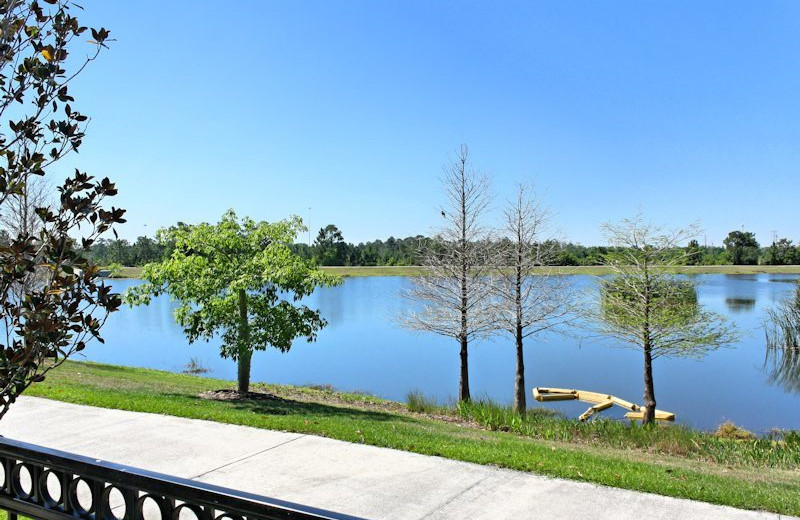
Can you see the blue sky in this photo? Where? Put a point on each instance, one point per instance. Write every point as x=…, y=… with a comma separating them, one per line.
x=686, y=110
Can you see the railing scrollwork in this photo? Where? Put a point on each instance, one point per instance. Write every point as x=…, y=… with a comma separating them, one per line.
x=47, y=484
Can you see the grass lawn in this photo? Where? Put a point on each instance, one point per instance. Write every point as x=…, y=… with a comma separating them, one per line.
x=136, y=272
x=729, y=472
x=590, y=269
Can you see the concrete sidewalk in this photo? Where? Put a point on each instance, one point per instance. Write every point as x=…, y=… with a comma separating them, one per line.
x=349, y=478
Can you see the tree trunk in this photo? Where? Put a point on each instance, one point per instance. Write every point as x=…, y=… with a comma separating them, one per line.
x=647, y=348
x=649, y=392
x=520, y=403
x=245, y=351
x=244, y=371
x=463, y=384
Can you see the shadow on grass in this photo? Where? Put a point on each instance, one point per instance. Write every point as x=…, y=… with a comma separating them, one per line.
x=78, y=365
x=283, y=406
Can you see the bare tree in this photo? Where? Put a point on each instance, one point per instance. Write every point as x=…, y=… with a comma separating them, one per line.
x=454, y=296
x=18, y=214
x=19, y=218
x=646, y=307
x=528, y=298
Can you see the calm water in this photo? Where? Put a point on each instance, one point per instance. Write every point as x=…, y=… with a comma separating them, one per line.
x=364, y=349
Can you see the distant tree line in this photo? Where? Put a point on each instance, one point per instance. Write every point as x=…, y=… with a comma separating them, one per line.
x=120, y=251
x=330, y=249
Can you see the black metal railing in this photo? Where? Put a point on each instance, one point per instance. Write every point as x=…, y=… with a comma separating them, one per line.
x=47, y=484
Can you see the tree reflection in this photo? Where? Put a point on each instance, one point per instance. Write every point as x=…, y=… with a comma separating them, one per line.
x=740, y=304
x=783, y=368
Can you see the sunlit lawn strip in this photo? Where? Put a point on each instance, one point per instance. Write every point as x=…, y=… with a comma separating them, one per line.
x=369, y=420
x=385, y=270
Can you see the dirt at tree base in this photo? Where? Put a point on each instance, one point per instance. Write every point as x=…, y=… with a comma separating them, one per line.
x=235, y=395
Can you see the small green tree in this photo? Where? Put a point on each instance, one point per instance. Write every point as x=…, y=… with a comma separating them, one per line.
x=646, y=307
x=330, y=247
x=693, y=253
x=115, y=269
x=239, y=280
x=742, y=247
x=781, y=252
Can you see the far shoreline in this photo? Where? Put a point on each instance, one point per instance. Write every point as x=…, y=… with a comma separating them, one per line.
x=597, y=270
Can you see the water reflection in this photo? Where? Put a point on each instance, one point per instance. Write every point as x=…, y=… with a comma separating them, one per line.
x=741, y=292
x=783, y=368
x=364, y=348
x=740, y=304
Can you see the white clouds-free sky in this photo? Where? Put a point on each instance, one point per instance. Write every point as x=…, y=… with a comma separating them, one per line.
x=687, y=110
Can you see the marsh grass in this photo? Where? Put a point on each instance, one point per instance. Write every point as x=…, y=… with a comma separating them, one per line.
x=729, y=445
x=418, y=402
x=783, y=324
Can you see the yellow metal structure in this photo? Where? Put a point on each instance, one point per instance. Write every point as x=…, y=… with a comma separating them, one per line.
x=599, y=402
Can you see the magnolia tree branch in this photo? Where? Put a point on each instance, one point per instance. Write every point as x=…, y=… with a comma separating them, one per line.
x=52, y=300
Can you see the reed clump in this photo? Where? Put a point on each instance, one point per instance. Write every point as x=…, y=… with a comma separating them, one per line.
x=783, y=324
x=418, y=402
x=729, y=444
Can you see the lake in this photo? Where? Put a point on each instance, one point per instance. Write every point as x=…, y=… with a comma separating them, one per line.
x=363, y=348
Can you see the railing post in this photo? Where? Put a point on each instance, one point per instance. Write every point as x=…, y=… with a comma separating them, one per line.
x=98, y=503
x=65, y=478
x=130, y=496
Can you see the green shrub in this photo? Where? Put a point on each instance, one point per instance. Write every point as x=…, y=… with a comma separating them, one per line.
x=115, y=269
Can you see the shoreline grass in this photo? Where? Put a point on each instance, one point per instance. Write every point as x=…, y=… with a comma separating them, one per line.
x=600, y=453
x=597, y=270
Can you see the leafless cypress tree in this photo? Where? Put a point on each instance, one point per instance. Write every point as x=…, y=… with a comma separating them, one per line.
x=454, y=296
x=18, y=214
x=646, y=307
x=527, y=301
x=18, y=218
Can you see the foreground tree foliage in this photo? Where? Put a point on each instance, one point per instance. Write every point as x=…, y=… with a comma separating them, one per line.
x=52, y=300
x=646, y=307
x=454, y=299
x=239, y=280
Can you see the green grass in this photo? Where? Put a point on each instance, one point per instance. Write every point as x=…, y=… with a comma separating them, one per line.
x=385, y=270
x=745, y=482
x=418, y=402
x=128, y=272
x=590, y=269
x=726, y=447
